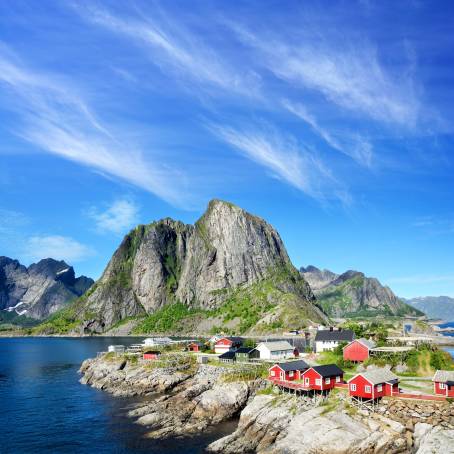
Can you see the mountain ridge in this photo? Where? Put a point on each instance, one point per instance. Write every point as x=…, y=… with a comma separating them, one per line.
x=441, y=307
x=353, y=294
x=40, y=289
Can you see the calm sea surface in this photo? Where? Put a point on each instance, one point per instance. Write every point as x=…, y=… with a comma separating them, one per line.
x=44, y=409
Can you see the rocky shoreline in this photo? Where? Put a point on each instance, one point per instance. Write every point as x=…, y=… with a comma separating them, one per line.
x=186, y=398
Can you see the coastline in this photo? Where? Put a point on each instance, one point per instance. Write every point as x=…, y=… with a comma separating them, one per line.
x=186, y=398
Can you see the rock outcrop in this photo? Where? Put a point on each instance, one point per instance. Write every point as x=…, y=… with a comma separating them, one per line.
x=192, y=398
x=228, y=254
x=39, y=290
x=352, y=293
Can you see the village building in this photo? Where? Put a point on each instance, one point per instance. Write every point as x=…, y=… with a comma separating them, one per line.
x=116, y=348
x=195, y=346
x=245, y=354
x=289, y=371
x=322, y=378
x=227, y=357
x=358, y=350
x=373, y=384
x=151, y=355
x=275, y=350
x=155, y=341
x=444, y=383
x=330, y=339
x=226, y=344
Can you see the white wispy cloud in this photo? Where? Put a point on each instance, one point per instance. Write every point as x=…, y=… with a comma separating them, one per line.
x=357, y=147
x=349, y=75
x=174, y=48
x=286, y=160
x=56, y=118
x=11, y=221
x=120, y=216
x=56, y=247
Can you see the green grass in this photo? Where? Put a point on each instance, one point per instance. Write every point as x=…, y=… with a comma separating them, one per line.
x=166, y=319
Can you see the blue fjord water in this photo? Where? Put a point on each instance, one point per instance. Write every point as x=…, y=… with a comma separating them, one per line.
x=44, y=408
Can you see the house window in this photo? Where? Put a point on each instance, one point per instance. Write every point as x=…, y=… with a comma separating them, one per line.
x=306, y=381
x=328, y=380
x=379, y=388
x=353, y=387
x=442, y=386
x=318, y=382
x=290, y=374
x=273, y=373
x=338, y=379
x=367, y=389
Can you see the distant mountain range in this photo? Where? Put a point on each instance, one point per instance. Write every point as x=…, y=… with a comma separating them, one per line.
x=353, y=294
x=434, y=306
x=39, y=290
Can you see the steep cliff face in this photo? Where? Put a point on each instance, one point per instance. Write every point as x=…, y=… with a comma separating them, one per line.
x=228, y=255
x=40, y=289
x=352, y=293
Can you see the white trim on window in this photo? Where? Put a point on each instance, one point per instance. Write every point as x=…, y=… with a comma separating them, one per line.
x=338, y=379
x=318, y=381
x=367, y=389
x=442, y=385
x=352, y=386
x=273, y=373
x=327, y=380
x=379, y=388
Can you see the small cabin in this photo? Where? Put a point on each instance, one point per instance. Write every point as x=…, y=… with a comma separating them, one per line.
x=322, y=378
x=226, y=344
x=373, y=384
x=195, y=347
x=245, y=354
x=444, y=383
x=358, y=350
x=151, y=355
x=227, y=357
x=289, y=371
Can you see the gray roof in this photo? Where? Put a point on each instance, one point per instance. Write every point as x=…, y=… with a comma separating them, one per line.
x=277, y=346
x=444, y=376
x=325, y=335
x=377, y=376
x=368, y=343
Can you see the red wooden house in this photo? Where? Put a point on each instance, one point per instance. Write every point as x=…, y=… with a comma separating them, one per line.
x=322, y=378
x=358, y=350
x=226, y=344
x=151, y=354
x=373, y=384
x=290, y=371
x=195, y=347
x=444, y=383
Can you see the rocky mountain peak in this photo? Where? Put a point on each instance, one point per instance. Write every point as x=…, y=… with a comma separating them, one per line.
x=40, y=289
x=197, y=265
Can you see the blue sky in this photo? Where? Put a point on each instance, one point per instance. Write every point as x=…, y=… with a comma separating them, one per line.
x=333, y=121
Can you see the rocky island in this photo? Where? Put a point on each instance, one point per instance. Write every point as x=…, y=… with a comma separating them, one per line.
x=186, y=397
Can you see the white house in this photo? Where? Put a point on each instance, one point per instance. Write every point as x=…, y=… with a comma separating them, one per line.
x=275, y=350
x=116, y=349
x=329, y=339
x=155, y=341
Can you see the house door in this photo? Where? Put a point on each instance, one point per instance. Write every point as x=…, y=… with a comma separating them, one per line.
x=306, y=381
x=282, y=375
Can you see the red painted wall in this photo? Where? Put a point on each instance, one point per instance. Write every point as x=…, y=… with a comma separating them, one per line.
x=355, y=351
x=150, y=356
x=443, y=392
x=193, y=348
x=279, y=374
x=361, y=384
x=312, y=375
